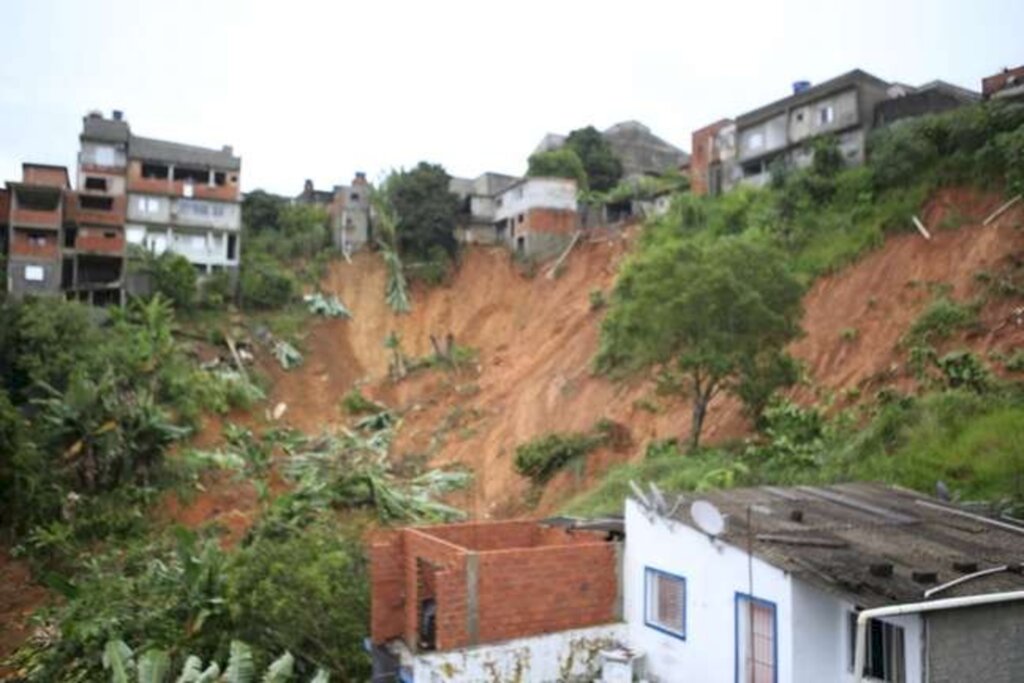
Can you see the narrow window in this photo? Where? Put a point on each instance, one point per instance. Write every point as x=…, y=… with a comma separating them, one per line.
x=94, y=203
x=665, y=608
x=755, y=640
x=826, y=115
x=232, y=247
x=93, y=183
x=884, y=656
x=219, y=177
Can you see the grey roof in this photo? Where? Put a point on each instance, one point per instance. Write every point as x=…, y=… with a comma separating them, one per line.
x=104, y=130
x=850, y=79
x=963, y=94
x=177, y=153
x=841, y=538
x=641, y=151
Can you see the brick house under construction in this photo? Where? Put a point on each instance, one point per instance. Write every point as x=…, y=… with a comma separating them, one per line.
x=439, y=592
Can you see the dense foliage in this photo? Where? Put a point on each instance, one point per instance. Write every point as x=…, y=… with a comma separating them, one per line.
x=603, y=168
x=559, y=163
x=425, y=211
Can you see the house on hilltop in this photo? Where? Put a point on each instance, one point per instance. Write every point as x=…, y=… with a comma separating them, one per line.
x=1005, y=85
x=641, y=152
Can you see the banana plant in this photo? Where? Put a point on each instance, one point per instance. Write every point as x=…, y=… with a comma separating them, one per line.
x=154, y=666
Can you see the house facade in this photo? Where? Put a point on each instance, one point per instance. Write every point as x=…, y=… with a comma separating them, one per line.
x=537, y=217
x=350, y=214
x=775, y=596
x=1008, y=84
x=478, y=206
x=731, y=153
x=35, y=225
x=186, y=200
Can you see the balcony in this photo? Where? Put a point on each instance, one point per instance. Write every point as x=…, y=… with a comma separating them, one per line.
x=34, y=245
x=149, y=185
x=90, y=210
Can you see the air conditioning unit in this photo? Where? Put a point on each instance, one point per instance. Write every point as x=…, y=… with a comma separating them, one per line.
x=622, y=665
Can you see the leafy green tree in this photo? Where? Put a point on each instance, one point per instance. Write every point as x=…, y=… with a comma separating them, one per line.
x=304, y=230
x=603, y=168
x=425, y=210
x=265, y=283
x=261, y=211
x=274, y=581
x=704, y=311
x=175, y=278
x=558, y=163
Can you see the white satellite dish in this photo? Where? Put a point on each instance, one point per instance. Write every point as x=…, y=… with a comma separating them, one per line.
x=707, y=518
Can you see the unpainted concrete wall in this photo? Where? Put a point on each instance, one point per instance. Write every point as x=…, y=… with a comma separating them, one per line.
x=984, y=643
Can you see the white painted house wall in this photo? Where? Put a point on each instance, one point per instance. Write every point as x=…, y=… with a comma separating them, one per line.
x=812, y=628
x=572, y=655
x=536, y=193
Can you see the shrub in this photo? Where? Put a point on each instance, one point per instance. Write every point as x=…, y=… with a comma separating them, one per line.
x=174, y=277
x=355, y=403
x=941, y=319
x=597, y=299
x=264, y=284
x=964, y=369
x=541, y=458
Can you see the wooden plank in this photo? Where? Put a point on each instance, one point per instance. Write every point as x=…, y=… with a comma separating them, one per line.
x=1001, y=210
x=921, y=229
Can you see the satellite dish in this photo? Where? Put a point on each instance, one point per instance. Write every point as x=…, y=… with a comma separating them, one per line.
x=707, y=518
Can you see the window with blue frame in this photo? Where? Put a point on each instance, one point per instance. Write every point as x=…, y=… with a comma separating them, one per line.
x=665, y=602
x=756, y=640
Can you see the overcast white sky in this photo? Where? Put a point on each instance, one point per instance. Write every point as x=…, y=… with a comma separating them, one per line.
x=320, y=90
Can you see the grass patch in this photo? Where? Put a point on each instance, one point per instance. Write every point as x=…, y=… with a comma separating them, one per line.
x=940, y=320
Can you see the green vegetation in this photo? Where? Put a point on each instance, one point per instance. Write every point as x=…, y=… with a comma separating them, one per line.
x=603, y=169
x=354, y=403
x=424, y=212
x=716, y=316
x=559, y=163
x=541, y=458
x=940, y=320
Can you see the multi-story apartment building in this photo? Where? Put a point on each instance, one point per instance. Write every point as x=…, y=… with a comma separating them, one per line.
x=186, y=200
x=35, y=229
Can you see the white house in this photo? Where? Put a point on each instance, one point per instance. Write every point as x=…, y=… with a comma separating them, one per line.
x=774, y=597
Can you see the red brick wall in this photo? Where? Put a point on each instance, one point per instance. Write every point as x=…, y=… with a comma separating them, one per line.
x=556, y=221
x=993, y=84
x=450, y=586
x=387, y=586
x=529, y=592
x=5, y=206
x=35, y=217
x=22, y=246
x=44, y=175
x=701, y=156
x=95, y=239
x=488, y=535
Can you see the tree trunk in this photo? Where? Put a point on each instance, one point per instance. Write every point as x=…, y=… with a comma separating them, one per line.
x=700, y=409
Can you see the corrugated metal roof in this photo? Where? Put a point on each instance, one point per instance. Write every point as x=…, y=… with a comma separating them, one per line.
x=841, y=538
x=177, y=153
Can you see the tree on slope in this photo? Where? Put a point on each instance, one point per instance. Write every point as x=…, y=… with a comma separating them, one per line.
x=602, y=166
x=425, y=209
x=705, y=312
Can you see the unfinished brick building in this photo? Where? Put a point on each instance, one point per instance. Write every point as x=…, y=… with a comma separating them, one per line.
x=35, y=228
x=452, y=587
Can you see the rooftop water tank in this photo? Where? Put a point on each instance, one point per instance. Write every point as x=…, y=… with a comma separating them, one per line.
x=800, y=86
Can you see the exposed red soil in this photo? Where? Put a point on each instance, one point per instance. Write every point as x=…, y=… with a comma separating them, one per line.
x=20, y=596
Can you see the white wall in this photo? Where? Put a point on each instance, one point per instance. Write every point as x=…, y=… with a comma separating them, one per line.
x=208, y=247
x=536, y=193
x=714, y=573
x=813, y=632
x=540, y=659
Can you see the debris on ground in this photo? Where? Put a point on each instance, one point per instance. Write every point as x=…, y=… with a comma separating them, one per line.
x=327, y=306
x=286, y=354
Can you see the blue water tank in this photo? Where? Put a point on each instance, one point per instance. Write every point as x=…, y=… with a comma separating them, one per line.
x=800, y=86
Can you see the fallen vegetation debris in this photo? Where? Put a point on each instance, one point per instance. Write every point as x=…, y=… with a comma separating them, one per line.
x=327, y=306
x=286, y=354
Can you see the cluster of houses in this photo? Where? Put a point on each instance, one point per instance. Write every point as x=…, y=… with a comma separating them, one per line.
x=830, y=584
x=73, y=240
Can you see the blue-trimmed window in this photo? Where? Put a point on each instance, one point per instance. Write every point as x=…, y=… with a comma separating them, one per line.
x=757, y=641
x=665, y=602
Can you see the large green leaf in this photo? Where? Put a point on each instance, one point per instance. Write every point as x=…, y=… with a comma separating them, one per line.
x=117, y=657
x=240, y=665
x=154, y=666
x=282, y=670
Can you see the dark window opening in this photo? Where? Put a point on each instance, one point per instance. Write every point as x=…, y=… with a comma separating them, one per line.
x=70, y=237
x=110, y=235
x=234, y=179
x=195, y=175
x=521, y=218
x=37, y=239
x=752, y=169
x=67, y=273
x=93, y=183
x=426, y=598
x=158, y=171
x=884, y=656
x=355, y=196
x=219, y=178
x=521, y=245
x=95, y=203
x=37, y=201
x=232, y=247
x=98, y=270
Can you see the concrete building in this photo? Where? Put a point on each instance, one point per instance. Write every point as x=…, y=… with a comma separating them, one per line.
x=478, y=206
x=186, y=200
x=641, y=152
x=774, y=594
x=313, y=196
x=351, y=214
x=495, y=601
x=712, y=152
x=536, y=217
x=907, y=101
x=1005, y=85
x=35, y=224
